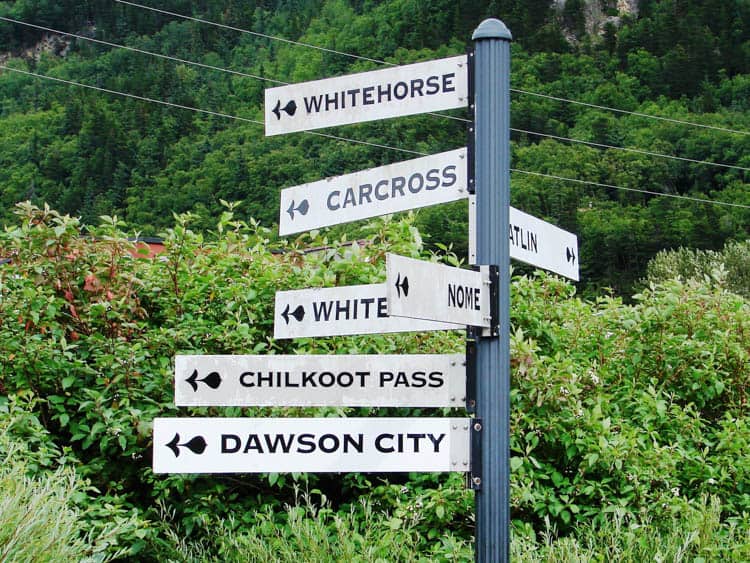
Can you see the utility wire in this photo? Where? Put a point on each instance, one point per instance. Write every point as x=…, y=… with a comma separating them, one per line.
x=397, y=149
x=257, y=34
x=257, y=77
x=629, y=149
x=199, y=110
x=649, y=192
x=636, y=113
x=142, y=51
x=379, y=61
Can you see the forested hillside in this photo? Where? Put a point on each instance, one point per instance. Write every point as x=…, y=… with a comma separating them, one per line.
x=90, y=153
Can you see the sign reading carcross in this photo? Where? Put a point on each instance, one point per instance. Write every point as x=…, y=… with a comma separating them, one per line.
x=367, y=96
x=434, y=179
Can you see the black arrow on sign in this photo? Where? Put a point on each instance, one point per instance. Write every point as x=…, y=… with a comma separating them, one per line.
x=302, y=208
x=196, y=445
x=290, y=108
x=213, y=380
x=570, y=255
x=402, y=285
x=298, y=313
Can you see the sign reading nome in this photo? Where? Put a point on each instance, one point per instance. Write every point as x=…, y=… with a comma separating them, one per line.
x=426, y=290
x=260, y=445
x=401, y=90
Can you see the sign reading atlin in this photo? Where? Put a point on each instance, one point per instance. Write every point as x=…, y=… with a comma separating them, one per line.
x=367, y=96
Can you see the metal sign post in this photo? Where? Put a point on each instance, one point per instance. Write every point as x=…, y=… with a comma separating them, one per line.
x=492, y=179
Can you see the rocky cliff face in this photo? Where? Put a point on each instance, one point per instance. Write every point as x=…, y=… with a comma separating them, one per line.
x=599, y=13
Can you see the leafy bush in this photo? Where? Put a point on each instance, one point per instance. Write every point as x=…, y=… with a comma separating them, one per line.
x=729, y=267
x=637, y=409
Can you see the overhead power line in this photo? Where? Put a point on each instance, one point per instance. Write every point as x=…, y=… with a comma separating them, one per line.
x=199, y=110
x=380, y=61
x=257, y=34
x=630, y=149
x=257, y=77
x=334, y=137
x=142, y=51
x=636, y=113
x=637, y=190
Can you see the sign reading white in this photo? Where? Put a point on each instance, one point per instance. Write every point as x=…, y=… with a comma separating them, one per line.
x=416, y=380
x=338, y=311
x=261, y=445
x=425, y=290
x=434, y=179
x=534, y=242
x=367, y=96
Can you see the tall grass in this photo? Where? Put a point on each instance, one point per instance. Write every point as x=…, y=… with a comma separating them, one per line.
x=695, y=535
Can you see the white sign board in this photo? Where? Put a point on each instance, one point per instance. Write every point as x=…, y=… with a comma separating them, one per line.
x=415, y=380
x=367, y=96
x=425, y=290
x=534, y=242
x=291, y=445
x=338, y=311
x=430, y=180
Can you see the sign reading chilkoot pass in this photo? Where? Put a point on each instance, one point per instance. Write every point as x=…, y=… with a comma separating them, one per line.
x=425, y=290
x=337, y=311
x=367, y=96
x=261, y=445
x=430, y=180
x=414, y=380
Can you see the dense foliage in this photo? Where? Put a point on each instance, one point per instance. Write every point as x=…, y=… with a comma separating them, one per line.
x=635, y=411
x=90, y=153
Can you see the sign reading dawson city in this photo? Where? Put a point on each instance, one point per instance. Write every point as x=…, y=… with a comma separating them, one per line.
x=344, y=310
x=367, y=96
x=534, y=242
x=430, y=180
x=417, y=380
x=425, y=290
x=261, y=445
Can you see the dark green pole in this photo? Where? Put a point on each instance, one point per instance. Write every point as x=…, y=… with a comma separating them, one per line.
x=492, y=176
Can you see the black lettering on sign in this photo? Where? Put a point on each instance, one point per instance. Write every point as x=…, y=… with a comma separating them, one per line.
x=463, y=297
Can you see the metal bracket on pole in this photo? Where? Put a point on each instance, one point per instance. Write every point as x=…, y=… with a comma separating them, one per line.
x=475, y=475
x=470, y=165
x=494, y=282
x=471, y=372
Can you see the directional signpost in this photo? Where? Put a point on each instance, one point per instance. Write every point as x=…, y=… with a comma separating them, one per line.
x=338, y=311
x=415, y=380
x=417, y=296
x=378, y=94
x=425, y=290
x=261, y=445
x=434, y=179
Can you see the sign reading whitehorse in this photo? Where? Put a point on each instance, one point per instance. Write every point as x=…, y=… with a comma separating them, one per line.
x=416, y=380
x=434, y=179
x=337, y=311
x=367, y=96
x=261, y=445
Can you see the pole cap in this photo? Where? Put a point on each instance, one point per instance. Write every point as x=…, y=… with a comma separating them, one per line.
x=492, y=28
